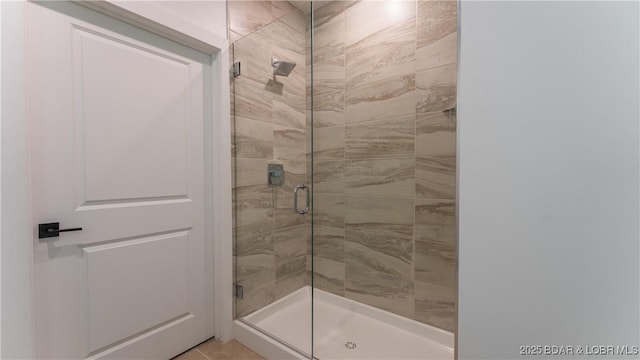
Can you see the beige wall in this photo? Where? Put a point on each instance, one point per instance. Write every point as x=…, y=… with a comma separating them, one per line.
x=269, y=127
x=384, y=155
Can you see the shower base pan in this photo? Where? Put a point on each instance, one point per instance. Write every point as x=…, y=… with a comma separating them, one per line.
x=343, y=329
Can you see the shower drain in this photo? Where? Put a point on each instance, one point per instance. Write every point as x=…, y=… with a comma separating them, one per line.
x=350, y=345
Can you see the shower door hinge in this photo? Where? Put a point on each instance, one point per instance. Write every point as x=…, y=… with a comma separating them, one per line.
x=236, y=69
x=239, y=291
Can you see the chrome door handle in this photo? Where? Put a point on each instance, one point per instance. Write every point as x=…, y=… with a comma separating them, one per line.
x=295, y=199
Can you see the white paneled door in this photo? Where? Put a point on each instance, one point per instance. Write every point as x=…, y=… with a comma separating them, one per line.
x=116, y=118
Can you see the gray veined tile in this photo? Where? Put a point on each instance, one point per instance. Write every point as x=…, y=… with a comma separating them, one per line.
x=435, y=305
x=253, y=139
x=377, y=213
x=252, y=100
x=389, y=57
x=328, y=103
x=291, y=243
x=436, y=177
x=250, y=172
x=328, y=176
x=288, y=44
x=248, y=244
x=388, y=292
x=245, y=17
x=381, y=99
x=436, y=89
x=254, y=212
x=393, y=137
x=291, y=276
x=382, y=177
x=328, y=210
x=435, y=221
x=284, y=11
x=379, y=252
x=328, y=275
x=435, y=263
x=256, y=273
x=328, y=143
x=435, y=134
x=328, y=243
x=254, y=54
x=329, y=69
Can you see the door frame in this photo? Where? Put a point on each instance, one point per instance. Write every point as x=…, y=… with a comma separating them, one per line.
x=17, y=231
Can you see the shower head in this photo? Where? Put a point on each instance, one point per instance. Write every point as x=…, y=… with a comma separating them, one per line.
x=282, y=68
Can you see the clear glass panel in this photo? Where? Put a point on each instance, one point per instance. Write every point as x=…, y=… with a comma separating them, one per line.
x=384, y=179
x=269, y=115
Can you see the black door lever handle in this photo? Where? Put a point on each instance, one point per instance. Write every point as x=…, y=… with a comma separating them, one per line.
x=52, y=230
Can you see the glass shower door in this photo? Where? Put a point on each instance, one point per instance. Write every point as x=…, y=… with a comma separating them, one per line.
x=269, y=124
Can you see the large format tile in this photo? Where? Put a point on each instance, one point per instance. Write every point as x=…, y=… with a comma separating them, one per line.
x=436, y=38
x=436, y=177
x=329, y=210
x=382, y=177
x=251, y=173
x=249, y=244
x=328, y=103
x=254, y=212
x=289, y=143
x=435, y=305
x=328, y=275
x=377, y=213
x=285, y=114
x=328, y=176
x=369, y=19
x=393, y=137
x=383, y=252
x=435, y=221
x=253, y=139
x=381, y=99
x=245, y=17
x=435, y=263
x=291, y=276
x=435, y=134
x=252, y=99
x=232, y=350
x=257, y=275
x=390, y=58
x=290, y=243
x=254, y=54
x=328, y=143
x=328, y=243
x=329, y=31
x=436, y=89
x=385, y=291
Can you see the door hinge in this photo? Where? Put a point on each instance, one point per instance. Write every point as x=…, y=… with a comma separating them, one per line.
x=236, y=69
x=239, y=291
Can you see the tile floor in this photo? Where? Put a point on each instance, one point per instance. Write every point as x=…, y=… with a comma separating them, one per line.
x=214, y=350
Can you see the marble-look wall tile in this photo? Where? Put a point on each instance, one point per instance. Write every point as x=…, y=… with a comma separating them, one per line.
x=291, y=243
x=329, y=30
x=254, y=212
x=289, y=144
x=435, y=305
x=328, y=243
x=388, y=252
x=436, y=177
x=435, y=134
x=286, y=115
x=291, y=277
x=253, y=139
x=283, y=9
x=435, y=263
x=388, y=292
x=436, y=221
x=381, y=99
x=328, y=210
x=248, y=244
x=436, y=37
x=254, y=54
x=378, y=213
x=382, y=177
x=393, y=137
x=328, y=275
x=328, y=176
x=366, y=19
x=246, y=17
x=256, y=273
x=251, y=173
x=328, y=143
x=436, y=89
x=328, y=103
x=390, y=58
x=252, y=100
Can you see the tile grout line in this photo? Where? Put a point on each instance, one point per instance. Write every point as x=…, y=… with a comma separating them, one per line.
x=202, y=353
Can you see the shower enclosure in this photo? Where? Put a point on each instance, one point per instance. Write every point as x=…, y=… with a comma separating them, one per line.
x=344, y=147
